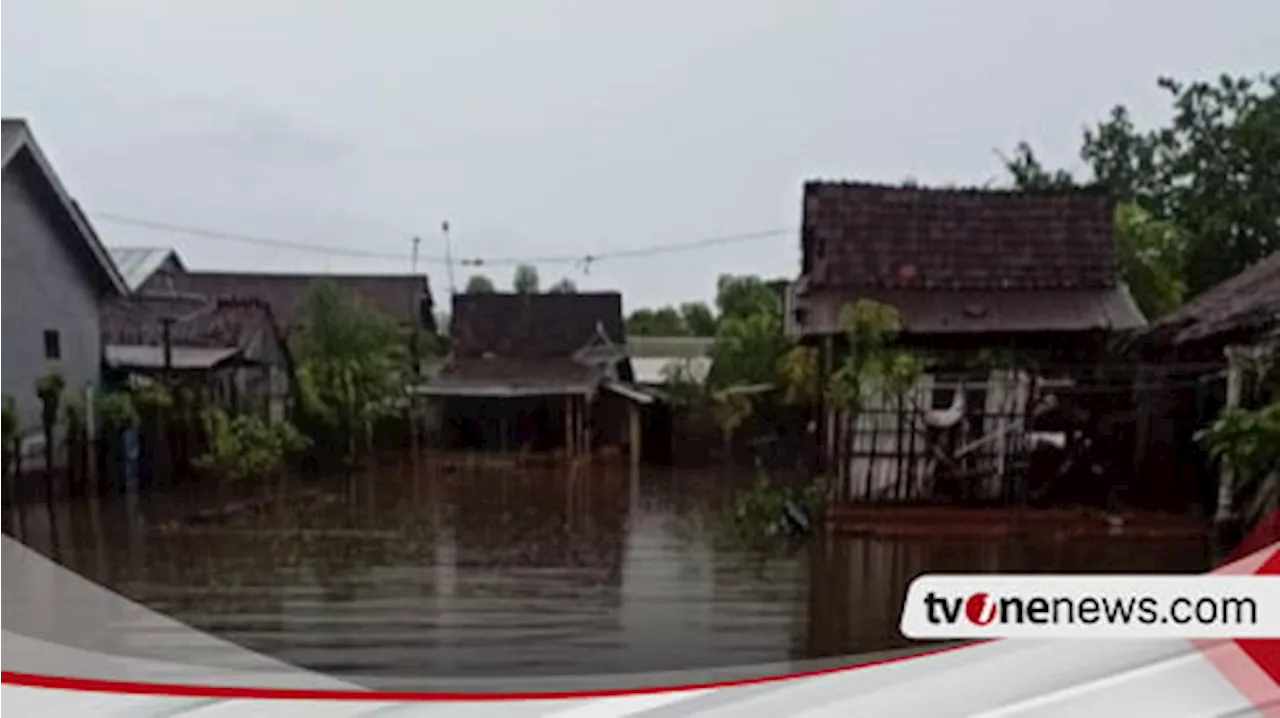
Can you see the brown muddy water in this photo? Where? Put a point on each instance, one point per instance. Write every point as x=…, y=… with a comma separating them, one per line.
x=408, y=570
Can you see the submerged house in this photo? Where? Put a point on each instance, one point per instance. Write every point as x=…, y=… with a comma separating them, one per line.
x=539, y=373
x=975, y=275
x=1193, y=366
x=57, y=276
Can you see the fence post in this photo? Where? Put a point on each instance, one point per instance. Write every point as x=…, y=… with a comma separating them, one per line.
x=90, y=440
x=1226, y=484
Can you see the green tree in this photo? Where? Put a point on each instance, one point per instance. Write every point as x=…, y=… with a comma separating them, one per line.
x=698, y=319
x=1213, y=171
x=664, y=322
x=799, y=374
x=525, y=280
x=479, y=284
x=1152, y=259
x=564, y=286
x=747, y=349
x=354, y=366
x=743, y=296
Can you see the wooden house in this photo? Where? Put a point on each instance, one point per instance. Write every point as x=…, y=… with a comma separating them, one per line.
x=999, y=290
x=539, y=373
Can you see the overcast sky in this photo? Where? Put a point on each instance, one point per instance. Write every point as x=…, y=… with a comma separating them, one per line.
x=549, y=127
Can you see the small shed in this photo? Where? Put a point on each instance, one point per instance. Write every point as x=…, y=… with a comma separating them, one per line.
x=231, y=350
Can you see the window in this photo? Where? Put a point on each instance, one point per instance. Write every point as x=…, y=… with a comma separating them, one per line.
x=52, y=344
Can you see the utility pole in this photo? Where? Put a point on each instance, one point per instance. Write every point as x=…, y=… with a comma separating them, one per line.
x=416, y=311
x=448, y=256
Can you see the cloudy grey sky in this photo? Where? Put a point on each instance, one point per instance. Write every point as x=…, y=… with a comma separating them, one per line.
x=557, y=127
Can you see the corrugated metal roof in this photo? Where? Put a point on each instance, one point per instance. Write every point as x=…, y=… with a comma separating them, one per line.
x=669, y=347
x=654, y=370
x=137, y=264
x=976, y=311
x=132, y=356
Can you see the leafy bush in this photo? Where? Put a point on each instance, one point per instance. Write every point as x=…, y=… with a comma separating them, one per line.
x=49, y=388
x=8, y=430
x=116, y=411
x=247, y=446
x=152, y=396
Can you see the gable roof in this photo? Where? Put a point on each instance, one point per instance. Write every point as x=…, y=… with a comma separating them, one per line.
x=533, y=325
x=406, y=298
x=137, y=264
x=1248, y=302
x=860, y=235
x=137, y=320
x=18, y=145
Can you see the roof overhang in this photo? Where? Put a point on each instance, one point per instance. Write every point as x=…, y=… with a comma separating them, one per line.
x=938, y=312
x=146, y=357
x=500, y=391
x=633, y=393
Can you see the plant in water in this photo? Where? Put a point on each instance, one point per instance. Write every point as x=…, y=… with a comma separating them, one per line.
x=152, y=396
x=10, y=429
x=116, y=411
x=354, y=364
x=246, y=446
x=731, y=411
x=1249, y=441
x=49, y=388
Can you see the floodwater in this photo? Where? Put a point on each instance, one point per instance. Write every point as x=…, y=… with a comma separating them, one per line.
x=409, y=570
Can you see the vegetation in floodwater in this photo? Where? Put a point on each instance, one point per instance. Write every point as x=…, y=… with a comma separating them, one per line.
x=767, y=516
x=247, y=446
x=116, y=411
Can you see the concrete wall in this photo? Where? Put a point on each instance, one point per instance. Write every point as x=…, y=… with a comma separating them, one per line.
x=46, y=286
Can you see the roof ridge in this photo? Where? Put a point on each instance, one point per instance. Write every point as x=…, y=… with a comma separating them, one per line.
x=1089, y=189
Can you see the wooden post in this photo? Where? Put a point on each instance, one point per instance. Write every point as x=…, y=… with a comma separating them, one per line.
x=633, y=420
x=568, y=426
x=826, y=414
x=1226, y=484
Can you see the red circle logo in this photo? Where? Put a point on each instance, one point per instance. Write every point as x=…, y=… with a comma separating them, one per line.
x=980, y=609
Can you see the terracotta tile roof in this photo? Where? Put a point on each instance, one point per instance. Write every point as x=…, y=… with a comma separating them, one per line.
x=865, y=235
x=400, y=296
x=1248, y=302
x=533, y=325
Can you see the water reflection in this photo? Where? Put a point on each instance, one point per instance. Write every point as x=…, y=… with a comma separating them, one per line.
x=409, y=570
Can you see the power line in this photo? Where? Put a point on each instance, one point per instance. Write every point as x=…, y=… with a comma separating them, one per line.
x=585, y=260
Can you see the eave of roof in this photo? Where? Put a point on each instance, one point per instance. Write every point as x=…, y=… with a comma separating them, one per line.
x=19, y=138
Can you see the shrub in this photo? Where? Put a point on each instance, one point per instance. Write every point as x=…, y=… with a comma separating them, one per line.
x=246, y=447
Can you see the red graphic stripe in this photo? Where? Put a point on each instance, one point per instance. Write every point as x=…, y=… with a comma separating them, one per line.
x=1266, y=652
